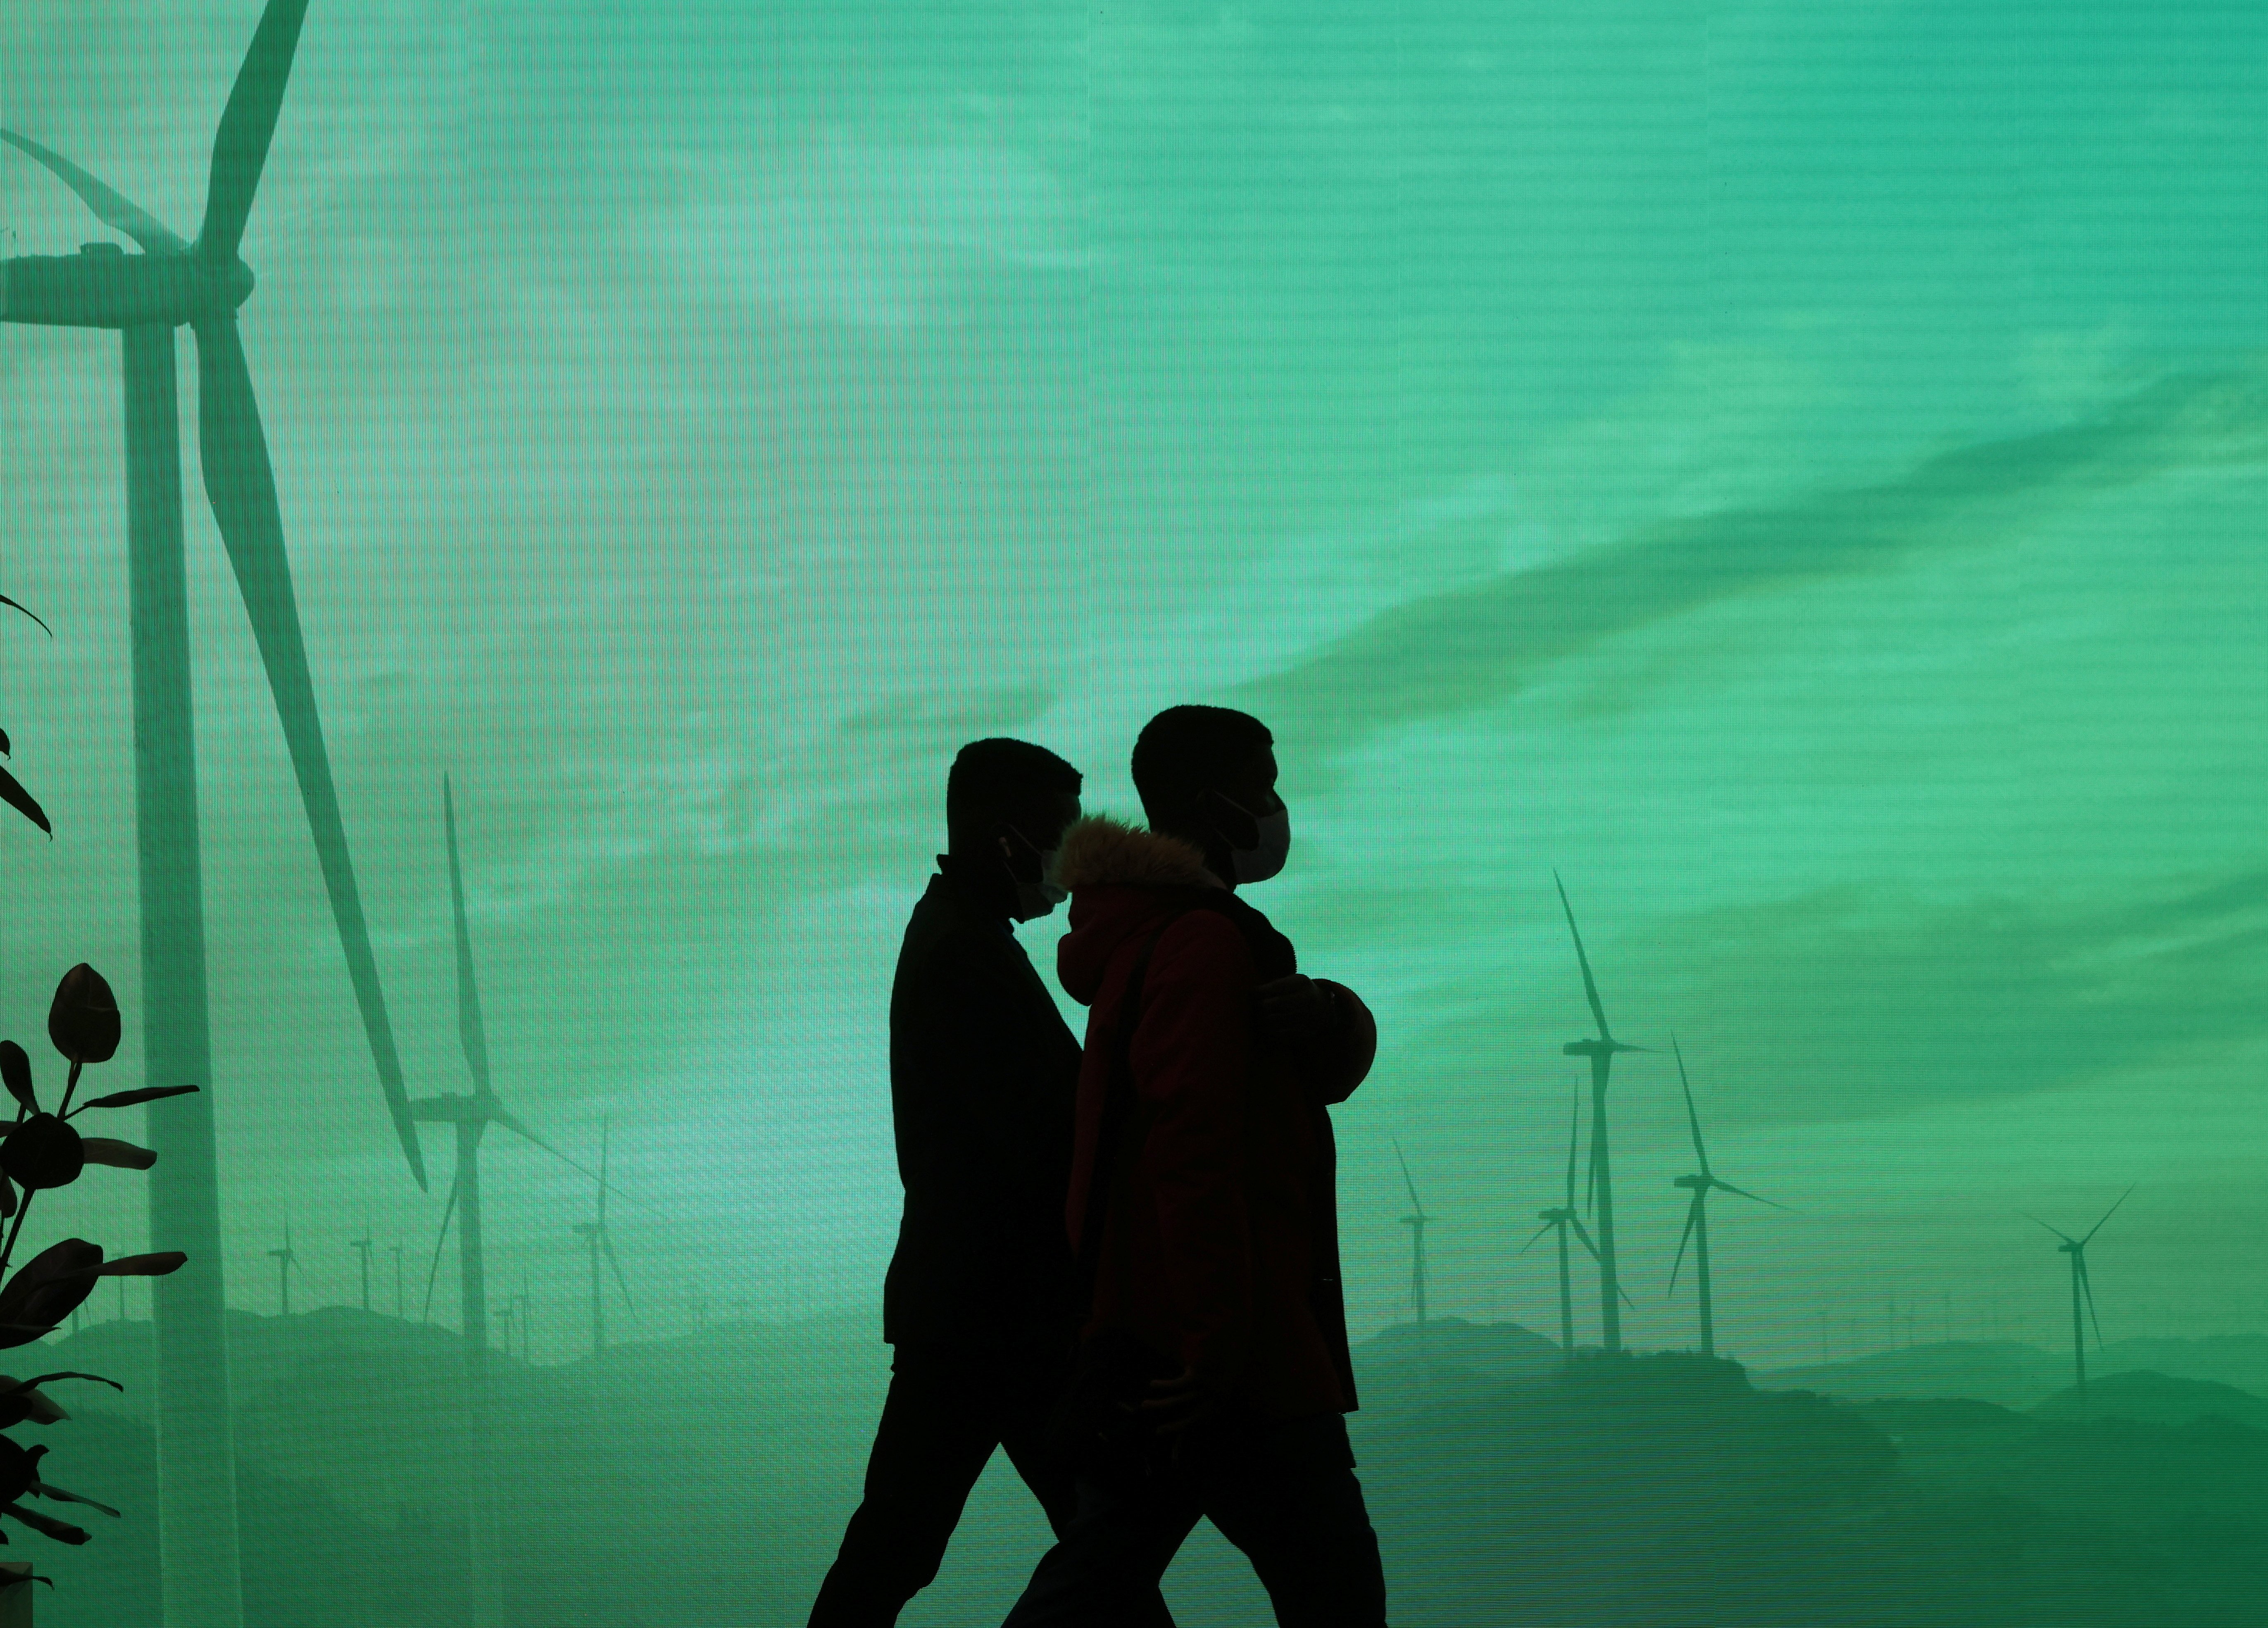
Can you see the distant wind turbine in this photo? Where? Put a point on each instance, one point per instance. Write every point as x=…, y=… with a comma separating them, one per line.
x=1601, y=1049
x=471, y=1114
x=361, y=1247
x=400, y=1305
x=1416, y=1222
x=284, y=1261
x=1697, y=1213
x=1563, y=1218
x=2076, y=1247
x=175, y=283
x=597, y=1241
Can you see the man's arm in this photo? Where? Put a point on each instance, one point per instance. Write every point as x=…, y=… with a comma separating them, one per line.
x=1328, y=1030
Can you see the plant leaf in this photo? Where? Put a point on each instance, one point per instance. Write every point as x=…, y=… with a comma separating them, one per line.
x=128, y=1099
x=24, y=1333
x=156, y=1265
x=13, y=794
x=102, y=1150
x=61, y=1497
x=82, y=1019
x=16, y=1072
x=61, y=1531
x=11, y=605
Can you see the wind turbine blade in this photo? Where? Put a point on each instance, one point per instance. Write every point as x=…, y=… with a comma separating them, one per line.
x=241, y=487
x=500, y=1114
x=247, y=124
x=441, y=1238
x=1540, y=1231
x=603, y=1129
x=1726, y=1187
x=1692, y=1118
x=1692, y=1214
x=1625, y=1294
x=2107, y=1214
x=113, y=210
x=2058, y=1231
x=1590, y=984
x=471, y=1034
x=2086, y=1289
x=1406, y=1181
x=1585, y=1236
x=607, y=1248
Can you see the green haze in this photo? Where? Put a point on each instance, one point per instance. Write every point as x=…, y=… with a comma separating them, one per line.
x=1798, y=470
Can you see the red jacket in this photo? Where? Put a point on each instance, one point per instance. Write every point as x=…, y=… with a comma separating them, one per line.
x=1220, y=1243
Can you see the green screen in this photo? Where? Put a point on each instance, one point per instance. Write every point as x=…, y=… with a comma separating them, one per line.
x=1797, y=472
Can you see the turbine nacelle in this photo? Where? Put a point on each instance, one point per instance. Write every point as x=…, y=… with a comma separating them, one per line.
x=1598, y=1047
x=103, y=286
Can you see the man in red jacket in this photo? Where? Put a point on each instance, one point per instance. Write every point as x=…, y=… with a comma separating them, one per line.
x=1215, y=1373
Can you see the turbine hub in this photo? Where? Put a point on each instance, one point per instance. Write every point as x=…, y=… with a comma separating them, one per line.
x=103, y=286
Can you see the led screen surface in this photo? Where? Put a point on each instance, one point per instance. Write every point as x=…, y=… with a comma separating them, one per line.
x=1795, y=474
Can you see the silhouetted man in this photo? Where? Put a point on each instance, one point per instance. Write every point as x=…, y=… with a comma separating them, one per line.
x=982, y=1071
x=1213, y=1372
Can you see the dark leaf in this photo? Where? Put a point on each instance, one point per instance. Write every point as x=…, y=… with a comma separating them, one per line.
x=157, y=1264
x=16, y=1072
x=22, y=1399
x=102, y=1150
x=61, y=1497
x=47, y=1287
x=83, y=1021
x=4, y=743
x=13, y=794
x=128, y=1099
x=61, y=1531
x=7, y=1196
x=20, y=1468
x=11, y=605
x=23, y=1333
x=42, y=1152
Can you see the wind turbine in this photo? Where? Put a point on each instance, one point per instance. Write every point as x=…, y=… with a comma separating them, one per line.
x=597, y=1241
x=1601, y=1049
x=2076, y=1247
x=471, y=1114
x=1563, y=1218
x=171, y=284
x=1416, y=1222
x=400, y=1304
x=284, y=1261
x=363, y=1246
x=1697, y=1213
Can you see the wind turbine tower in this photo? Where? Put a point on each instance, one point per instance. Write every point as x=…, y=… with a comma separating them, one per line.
x=597, y=1241
x=1697, y=1213
x=400, y=1305
x=1601, y=1049
x=361, y=1247
x=175, y=283
x=284, y=1261
x=1416, y=1222
x=1563, y=1218
x=2076, y=1247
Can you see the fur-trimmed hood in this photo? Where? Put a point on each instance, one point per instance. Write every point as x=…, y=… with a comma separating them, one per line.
x=1100, y=851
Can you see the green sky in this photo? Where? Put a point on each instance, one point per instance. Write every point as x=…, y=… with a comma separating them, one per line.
x=1796, y=469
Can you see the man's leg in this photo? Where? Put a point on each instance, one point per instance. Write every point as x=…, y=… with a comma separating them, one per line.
x=1286, y=1495
x=1104, y=1571
x=939, y=1427
x=1024, y=1434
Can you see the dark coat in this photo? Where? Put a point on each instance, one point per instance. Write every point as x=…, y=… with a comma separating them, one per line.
x=983, y=1073
x=1219, y=1247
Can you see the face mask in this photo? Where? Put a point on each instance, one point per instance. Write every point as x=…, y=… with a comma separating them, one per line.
x=1035, y=894
x=1036, y=899
x=1257, y=863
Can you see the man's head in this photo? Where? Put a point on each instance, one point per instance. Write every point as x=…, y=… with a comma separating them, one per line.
x=1007, y=803
x=1208, y=775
